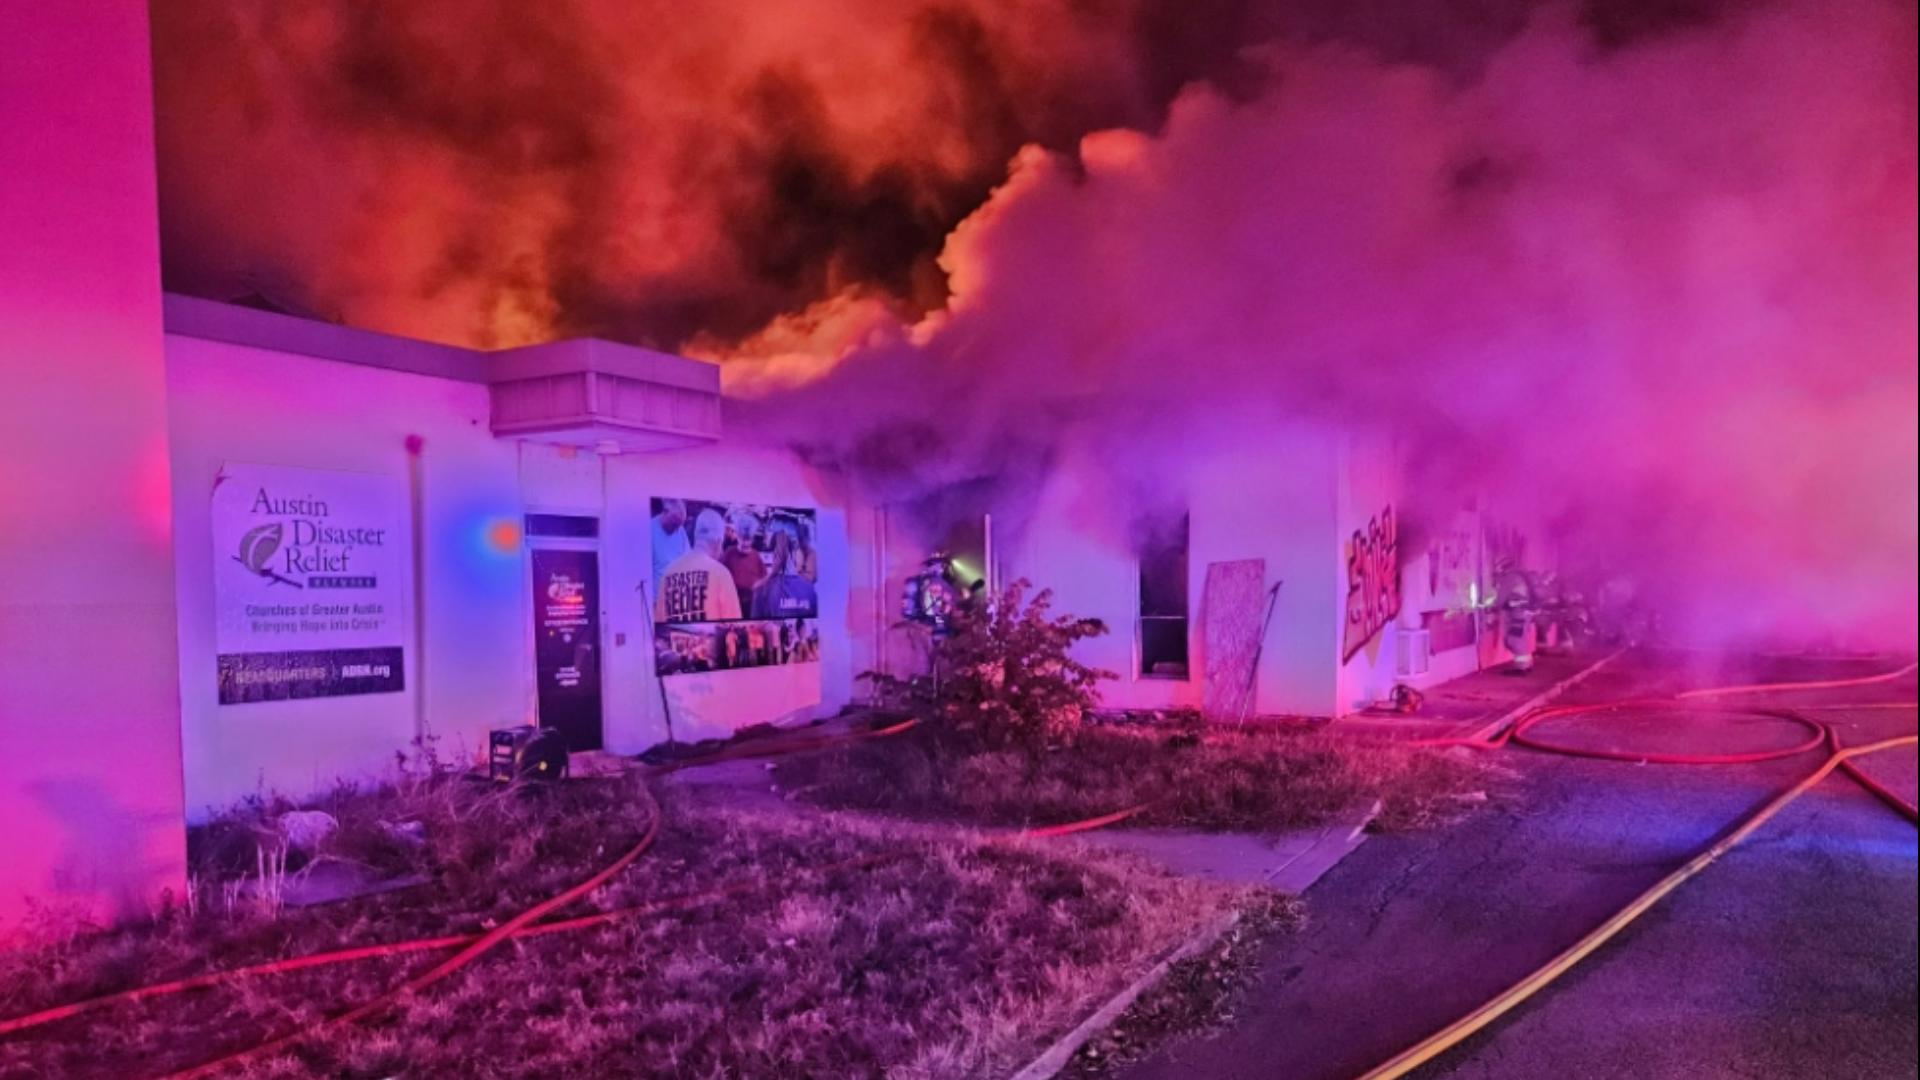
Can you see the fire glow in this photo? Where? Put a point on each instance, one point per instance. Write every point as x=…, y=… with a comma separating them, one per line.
x=1657, y=287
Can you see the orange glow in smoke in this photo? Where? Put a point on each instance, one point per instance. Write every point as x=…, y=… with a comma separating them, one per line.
x=497, y=174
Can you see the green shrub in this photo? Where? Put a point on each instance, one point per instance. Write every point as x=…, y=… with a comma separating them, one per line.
x=1004, y=675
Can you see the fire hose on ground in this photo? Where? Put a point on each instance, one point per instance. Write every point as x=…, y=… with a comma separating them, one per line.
x=526, y=924
x=467, y=955
x=1839, y=758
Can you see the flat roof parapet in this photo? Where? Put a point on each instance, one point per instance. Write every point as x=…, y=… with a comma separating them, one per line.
x=578, y=392
x=232, y=324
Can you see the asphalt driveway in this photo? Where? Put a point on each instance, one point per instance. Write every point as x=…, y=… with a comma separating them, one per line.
x=1795, y=955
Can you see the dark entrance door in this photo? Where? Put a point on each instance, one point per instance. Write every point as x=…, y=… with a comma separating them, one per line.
x=566, y=643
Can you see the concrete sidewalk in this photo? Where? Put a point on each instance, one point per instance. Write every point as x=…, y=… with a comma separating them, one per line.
x=1470, y=705
x=1290, y=861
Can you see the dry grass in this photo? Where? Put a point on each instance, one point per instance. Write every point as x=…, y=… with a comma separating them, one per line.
x=952, y=957
x=1198, y=993
x=1226, y=780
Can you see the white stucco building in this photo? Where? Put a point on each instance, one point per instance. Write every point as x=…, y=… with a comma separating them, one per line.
x=495, y=457
x=243, y=551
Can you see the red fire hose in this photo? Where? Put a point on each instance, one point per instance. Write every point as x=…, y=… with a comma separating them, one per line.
x=1523, y=733
x=467, y=955
x=523, y=925
x=1818, y=734
x=471, y=947
x=211, y=979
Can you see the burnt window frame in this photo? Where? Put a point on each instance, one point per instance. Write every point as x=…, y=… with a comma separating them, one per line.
x=1150, y=555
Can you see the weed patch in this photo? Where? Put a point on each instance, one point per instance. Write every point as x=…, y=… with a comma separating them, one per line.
x=1223, y=780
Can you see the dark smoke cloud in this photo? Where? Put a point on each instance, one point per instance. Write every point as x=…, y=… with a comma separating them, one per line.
x=493, y=171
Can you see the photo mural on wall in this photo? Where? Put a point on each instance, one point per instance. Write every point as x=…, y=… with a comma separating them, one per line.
x=734, y=585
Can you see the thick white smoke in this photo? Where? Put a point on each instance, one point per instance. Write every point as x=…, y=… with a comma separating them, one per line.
x=1664, y=293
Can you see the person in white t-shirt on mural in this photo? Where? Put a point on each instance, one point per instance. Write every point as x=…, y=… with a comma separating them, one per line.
x=669, y=535
x=697, y=587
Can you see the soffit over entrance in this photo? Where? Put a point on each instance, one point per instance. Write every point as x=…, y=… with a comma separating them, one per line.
x=601, y=395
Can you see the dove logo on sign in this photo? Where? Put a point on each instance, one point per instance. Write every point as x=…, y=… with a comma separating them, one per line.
x=256, y=553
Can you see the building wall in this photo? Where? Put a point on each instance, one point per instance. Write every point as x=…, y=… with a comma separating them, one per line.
x=1291, y=493
x=1441, y=569
x=233, y=403
x=90, y=790
x=1269, y=497
x=1431, y=523
x=1371, y=484
x=716, y=704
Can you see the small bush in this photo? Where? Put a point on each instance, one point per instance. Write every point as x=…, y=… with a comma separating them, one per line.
x=1005, y=739
x=1006, y=678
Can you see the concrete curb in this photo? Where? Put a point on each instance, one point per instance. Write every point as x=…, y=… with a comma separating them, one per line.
x=1055, y=1057
x=1492, y=727
x=1337, y=840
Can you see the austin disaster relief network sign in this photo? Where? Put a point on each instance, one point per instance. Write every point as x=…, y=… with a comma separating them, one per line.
x=309, y=580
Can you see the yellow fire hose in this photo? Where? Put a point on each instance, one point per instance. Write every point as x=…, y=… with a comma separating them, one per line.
x=1453, y=1034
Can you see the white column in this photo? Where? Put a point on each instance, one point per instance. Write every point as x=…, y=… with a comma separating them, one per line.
x=90, y=792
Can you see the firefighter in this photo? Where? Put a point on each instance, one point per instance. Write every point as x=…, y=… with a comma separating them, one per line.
x=1515, y=599
x=932, y=594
